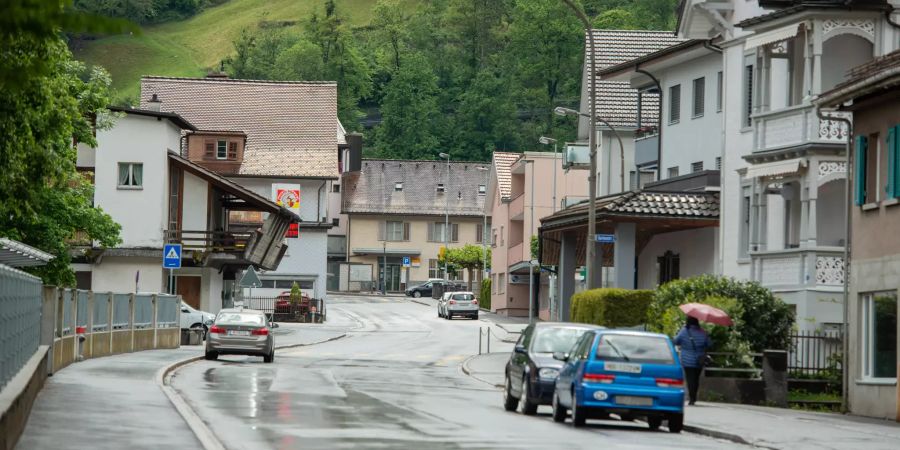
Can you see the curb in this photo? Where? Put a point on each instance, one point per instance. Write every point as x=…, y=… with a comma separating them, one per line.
x=204, y=434
x=722, y=435
x=466, y=370
x=421, y=303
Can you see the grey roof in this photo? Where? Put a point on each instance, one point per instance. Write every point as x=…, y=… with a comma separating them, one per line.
x=616, y=100
x=16, y=254
x=668, y=204
x=372, y=189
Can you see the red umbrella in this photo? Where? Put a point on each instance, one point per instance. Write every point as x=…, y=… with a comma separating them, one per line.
x=706, y=313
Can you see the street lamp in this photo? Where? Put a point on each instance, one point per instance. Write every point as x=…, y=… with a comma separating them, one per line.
x=560, y=111
x=484, y=231
x=547, y=141
x=530, y=256
x=446, y=215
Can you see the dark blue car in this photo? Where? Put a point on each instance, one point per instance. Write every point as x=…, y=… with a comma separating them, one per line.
x=633, y=374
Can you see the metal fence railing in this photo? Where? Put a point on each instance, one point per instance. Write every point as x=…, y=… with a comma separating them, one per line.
x=167, y=311
x=20, y=320
x=815, y=353
x=101, y=311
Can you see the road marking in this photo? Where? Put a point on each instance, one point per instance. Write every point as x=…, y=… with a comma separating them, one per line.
x=446, y=361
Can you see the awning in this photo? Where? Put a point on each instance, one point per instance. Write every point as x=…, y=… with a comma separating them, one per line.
x=772, y=169
x=390, y=251
x=16, y=254
x=780, y=34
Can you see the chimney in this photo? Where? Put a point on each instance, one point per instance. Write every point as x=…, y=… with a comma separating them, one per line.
x=354, y=141
x=154, y=103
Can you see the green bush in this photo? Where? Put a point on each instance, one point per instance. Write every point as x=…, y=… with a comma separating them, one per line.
x=762, y=322
x=611, y=307
x=484, y=300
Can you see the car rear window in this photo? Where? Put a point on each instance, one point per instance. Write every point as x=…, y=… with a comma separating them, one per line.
x=630, y=348
x=556, y=339
x=240, y=319
x=464, y=297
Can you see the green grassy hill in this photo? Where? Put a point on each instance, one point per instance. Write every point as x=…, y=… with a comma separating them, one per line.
x=191, y=47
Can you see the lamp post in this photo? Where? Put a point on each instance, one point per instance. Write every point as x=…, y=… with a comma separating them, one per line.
x=484, y=233
x=591, y=250
x=384, y=268
x=530, y=256
x=446, y=215
x=547, y=141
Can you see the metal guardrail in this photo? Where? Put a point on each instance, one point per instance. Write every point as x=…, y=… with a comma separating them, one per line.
x=20, y=320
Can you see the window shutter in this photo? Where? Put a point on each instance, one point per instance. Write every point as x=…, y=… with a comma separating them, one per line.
x=210, y=149
x=893, y=151
x=382, y=225
x=405, y=231
x=674, y=103
x=860, y=169
x=699, y=96
x=232, y=150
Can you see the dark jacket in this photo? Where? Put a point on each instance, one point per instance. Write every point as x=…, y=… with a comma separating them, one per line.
x=694, y=342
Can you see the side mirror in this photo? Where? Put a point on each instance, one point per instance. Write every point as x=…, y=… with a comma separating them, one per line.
x=520, y=349
x=185, y=310
x=560, y=356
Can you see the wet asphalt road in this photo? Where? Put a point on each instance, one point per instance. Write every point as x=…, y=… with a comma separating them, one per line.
x=393, y=382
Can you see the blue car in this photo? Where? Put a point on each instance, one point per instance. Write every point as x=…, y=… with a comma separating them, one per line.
x=633, y=374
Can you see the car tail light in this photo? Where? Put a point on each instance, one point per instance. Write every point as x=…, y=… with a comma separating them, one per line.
x=669, y=382
x=599, y=378
x=260, y=332
x=475, y=302
x=215, y=329
x=452, y=302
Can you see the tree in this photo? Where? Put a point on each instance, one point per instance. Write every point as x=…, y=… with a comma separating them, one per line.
x=44, y=202
x=469, y=257
x=410, y=112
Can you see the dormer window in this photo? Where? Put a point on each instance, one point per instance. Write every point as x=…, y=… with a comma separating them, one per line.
x=398, y=186
x=482, y=189
x=221, y=149
x=440, y=188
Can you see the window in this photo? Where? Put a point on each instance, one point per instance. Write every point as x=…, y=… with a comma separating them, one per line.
x=697, y=167
x=440, y=188
x=436, y=232
x=434, y=269
x=748, y=95
x=131, y=175
x=879, y=335
x=669, y=267
x=174, y=202
x=626, y=347
x=336, y=222
x=673, y=172
x=719, y=92
x=494, y=237
x=744, y=245
x=632, y=180
x=501, y=286
x=699, y=96
x=482, y=189
x=395, y=230
x=480, y=231
x=398, y=187
x=868, y=168
x=221, y=149
x=336, y=188
x=892, y=149
x=501, y=235
x=718, y=163
x=675, y=103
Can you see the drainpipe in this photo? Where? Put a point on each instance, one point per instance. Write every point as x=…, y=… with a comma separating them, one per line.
x=659, y=122
x=888, y=16
x=711, y=47
x=319, y=201
x=845, y=375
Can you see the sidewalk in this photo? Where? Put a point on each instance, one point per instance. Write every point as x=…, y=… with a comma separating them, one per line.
x=115, y=401
x=764, y=427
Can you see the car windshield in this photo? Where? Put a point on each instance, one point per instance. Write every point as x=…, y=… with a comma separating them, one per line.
x=631, y=348
x=464, y=297
x=240, y=319
x=557, y=339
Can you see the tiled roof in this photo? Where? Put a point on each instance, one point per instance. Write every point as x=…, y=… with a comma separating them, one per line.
x=291, y=127
x=616, y=100
x=788, y=7
x=880, y=73
x=667, y=204
x=372, y=189
x=503, y=162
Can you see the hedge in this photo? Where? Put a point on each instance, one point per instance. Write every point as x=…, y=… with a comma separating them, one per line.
x=484, y=300
x=613, y=308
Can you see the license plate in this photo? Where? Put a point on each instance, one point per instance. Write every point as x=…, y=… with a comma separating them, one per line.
x=634, y=401
x=238, y=333
x=622, y=367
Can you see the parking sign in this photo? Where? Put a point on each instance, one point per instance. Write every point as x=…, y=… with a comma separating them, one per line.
x=406, y=262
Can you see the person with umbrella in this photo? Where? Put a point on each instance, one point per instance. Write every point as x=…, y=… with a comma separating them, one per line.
x=694, y=342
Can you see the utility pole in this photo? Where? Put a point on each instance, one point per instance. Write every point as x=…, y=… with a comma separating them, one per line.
x=446, y=217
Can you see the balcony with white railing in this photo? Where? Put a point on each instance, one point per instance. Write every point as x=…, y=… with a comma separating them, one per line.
x=820, y=267
x=797, y=125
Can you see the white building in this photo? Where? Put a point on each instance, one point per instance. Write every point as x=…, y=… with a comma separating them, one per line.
x=157, y=197
x=783, y=166
x=286, y=141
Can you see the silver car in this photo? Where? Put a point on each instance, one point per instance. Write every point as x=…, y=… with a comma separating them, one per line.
x=239, y=331
x=459, y=304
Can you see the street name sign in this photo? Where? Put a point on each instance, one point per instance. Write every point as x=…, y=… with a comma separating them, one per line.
x=605, y=238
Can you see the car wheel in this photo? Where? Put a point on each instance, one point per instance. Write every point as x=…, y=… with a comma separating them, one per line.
x=205, y=332
x=211, y=356
x=510, y=403
x=270, y=357
x=676, y=423
x=654, y=422
x=475, y=317
x=417, y=294
x=578, y=416
x=559, y=413
x=448, y=316
x=528, y=408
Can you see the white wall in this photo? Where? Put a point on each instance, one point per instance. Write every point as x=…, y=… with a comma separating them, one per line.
x=141, y=212
x=117, y=274
x=306, y=256
x=609, y=161
x=696, y=249
x=196, y=202
x=313, y=204
x=831, y=214
x=211, y=290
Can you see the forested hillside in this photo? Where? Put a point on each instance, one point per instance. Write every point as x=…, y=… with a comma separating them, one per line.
x=464, y=76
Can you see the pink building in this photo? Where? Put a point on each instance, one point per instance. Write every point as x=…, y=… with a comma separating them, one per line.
x=521, y=192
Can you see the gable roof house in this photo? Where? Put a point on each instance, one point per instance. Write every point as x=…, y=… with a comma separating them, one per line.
x=280, y=139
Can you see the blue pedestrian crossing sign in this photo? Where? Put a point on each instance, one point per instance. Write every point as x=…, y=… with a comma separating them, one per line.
x=406, y=261
x=172, y=256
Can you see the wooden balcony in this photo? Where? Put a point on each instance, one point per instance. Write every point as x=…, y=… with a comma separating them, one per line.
x=209, y=241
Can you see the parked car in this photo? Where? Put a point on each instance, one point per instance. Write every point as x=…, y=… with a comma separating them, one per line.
x=629, y=373
x=531, y=370
x=283, y=303
x=458, y=303
x=238, y=331
x=194, y=318
x=422, y=290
